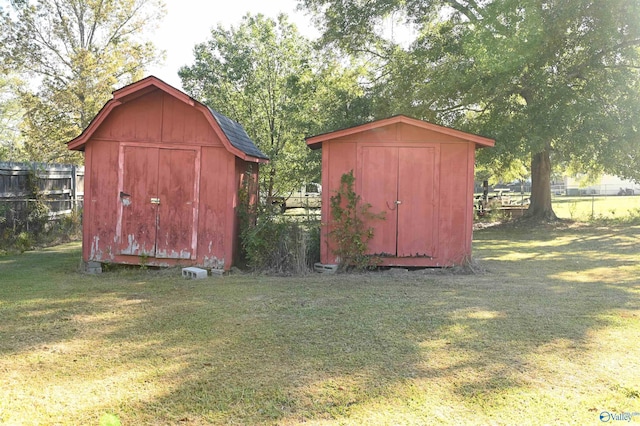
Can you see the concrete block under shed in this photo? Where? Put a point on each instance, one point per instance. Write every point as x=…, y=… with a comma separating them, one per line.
x=92, y=267
x=194, y=273
x=325, y=269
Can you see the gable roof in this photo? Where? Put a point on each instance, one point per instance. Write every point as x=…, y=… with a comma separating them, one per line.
x=315, y=142
x=231, y=133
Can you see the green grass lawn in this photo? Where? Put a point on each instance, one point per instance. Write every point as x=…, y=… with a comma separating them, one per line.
x=596, y=207
x=547, y=334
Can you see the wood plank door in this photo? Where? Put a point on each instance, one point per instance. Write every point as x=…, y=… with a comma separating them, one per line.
x=137, y=218
x=158, y=213
x=417, y=208
x=401, y=181
x=379, y=187
x=177, y=211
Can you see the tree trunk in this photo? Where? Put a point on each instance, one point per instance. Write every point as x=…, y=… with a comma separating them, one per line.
x=540, y=207
x=271, y=181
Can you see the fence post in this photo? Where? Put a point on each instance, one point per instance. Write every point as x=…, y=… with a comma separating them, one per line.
x=74, y=188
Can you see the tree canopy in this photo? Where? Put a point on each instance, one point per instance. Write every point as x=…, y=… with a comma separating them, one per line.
x=76, y=52
x=265, y=75
x=10, y=115
x=552, y=80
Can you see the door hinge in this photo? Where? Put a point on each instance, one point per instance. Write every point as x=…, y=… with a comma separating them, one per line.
x=155, y=200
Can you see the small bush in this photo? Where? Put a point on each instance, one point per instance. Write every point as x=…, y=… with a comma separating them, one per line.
x=313, y=245
x=37, y=209
x=277, y=244
x=71, y=224
x=23, y=242
x=351, y=231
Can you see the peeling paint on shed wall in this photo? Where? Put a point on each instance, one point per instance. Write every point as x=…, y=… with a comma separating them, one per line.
x=162, y=180
x=158, y=211
x=101, y=159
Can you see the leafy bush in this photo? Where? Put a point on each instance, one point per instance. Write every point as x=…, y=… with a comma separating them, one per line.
x=313, y=245
x=37, y=209
x=350, y=229
x=66, y=227
x=23, y=242
x=276, y=243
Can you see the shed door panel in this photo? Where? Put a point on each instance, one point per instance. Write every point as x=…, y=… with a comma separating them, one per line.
x=158, y=197
x=177, y=204
x=379, y=187
x=138, y=214
x=417, y=195
x=400, y=181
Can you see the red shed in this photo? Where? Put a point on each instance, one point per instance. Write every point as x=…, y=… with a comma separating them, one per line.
x=419, y=173
x=162, y=173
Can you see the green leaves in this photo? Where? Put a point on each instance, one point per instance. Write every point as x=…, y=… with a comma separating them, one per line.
x=79, y=51
x=255, y=73
x=350, y=226
x=265, y=75
x=557, y=76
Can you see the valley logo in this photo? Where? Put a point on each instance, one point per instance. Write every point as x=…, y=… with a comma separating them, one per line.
x=606, y=416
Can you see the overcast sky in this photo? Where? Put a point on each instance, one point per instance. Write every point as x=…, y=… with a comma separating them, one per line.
x=188, y=22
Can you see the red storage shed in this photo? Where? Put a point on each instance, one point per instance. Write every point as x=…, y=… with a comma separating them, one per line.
x=419, y=173
x=162, y=173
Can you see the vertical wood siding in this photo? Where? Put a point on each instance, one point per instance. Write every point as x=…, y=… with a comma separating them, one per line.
x=421, y=178
x=162, y=187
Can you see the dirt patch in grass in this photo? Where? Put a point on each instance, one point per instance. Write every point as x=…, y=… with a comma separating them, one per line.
x=548, y=333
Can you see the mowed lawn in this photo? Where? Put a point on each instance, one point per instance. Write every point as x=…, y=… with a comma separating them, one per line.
x=586, y=208
x=547, y=333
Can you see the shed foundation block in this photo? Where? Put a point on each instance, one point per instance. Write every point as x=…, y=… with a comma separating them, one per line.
x=325, y=269
x=91, y=267
x=194, y=273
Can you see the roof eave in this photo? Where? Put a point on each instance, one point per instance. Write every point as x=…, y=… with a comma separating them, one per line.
x=315, y=142
x=77, y=144
x=142, y=87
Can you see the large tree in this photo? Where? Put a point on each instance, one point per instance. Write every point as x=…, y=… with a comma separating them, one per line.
x=552, y=80
x=10, y=115
x=264, y=74
x=76, y=52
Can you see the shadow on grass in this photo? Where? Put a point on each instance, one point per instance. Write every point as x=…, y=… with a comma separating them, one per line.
x=293, y=350
x=252, y=350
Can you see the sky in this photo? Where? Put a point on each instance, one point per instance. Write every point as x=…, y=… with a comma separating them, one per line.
x=188, y=22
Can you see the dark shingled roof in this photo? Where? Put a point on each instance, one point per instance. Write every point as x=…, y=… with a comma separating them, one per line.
x=237, y=135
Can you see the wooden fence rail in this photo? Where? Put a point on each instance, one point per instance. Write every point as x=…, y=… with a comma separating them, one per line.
x=60, y=187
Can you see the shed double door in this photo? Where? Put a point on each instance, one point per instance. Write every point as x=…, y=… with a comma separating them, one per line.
x=402, y=182
x=158, y=212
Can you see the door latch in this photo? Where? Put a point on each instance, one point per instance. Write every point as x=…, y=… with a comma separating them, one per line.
x=155, y=200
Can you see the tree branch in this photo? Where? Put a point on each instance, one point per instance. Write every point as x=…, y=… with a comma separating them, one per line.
x=594, y=59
